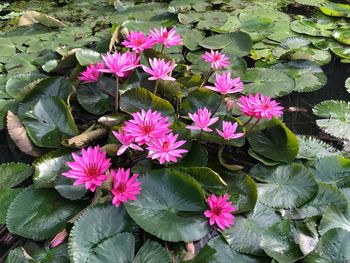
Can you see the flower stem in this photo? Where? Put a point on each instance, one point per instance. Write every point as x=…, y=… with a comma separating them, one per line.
x=248, y=121
x=156, y=87
x=217, y=107
x=206, y=78
x=254, y=125
x=116, y=98
x=162, y=49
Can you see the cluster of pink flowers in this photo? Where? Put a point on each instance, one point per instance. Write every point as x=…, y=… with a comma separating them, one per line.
x=91, y=169
x=151, y=129
x=202, y=121
x=259, y=106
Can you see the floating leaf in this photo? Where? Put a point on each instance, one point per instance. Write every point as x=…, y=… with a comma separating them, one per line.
x=276, y=142
x=152, y=252
x=31, y=17
x=16, y=83
x=336, y=118
x=197, y=157
x=268, y=82
x=95, y=225
x=278, y=242
x=16, y=256
x=285, y=186
x=313, y=26
x=191, y=38
x=12, y=174
x=49, y=121
x=347, y=84
x=7, y=47
x=170, y=206
x=39, y=213
x=245, y=235
x=334, y=9
x=332, y=247
x=236, y=43
x=64, y=186
x=307, y=75
x=334, y=218
x=6, y=105
x=341, y=52
x=6, y=197
x=342, y=35
x=312, y=148
x=87, y=56
x=136, y=99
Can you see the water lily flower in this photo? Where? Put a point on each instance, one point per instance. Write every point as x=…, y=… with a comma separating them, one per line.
x=138, y=42
x=217, y=59
x=225, y=85
x=91, y=73
x=229, y=130
x=260, y=106
x=120, y=64
x=165, y=149
x=89, y=168
x=202, y=120
x=124, y=187
x=220, y=211
x=127, y=141
x=159, y=69
x=59, y=238
x=146, y=126
x=165, y=37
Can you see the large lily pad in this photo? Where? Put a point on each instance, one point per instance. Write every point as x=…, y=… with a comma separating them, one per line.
x=314, y=27
x=334, y=218
x=268, y=82
x=12, y=174
x=334, y=9
x=312, y=148
x=49, y=121
x=342, y=35
x=94, y=226
x=170, y=206
x=40, y=213
x=245, y=235
x=286, y=186
x=16, y=83
x=336, y=118
x=6, y=197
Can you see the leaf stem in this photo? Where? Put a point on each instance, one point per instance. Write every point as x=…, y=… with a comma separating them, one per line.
x=156, y=87
x=116, y=97
x=254, y=125
x=162, y=49
x=248, y=121
x=206, y=78
x=217, y=107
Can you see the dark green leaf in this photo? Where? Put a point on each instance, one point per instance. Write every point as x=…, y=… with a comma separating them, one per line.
x=6, y=197
x=87, y=56
x=334, y=218
x=12, y=174
x=151, y=252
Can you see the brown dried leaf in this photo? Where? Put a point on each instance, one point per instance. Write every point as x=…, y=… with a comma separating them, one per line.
x=32, y=17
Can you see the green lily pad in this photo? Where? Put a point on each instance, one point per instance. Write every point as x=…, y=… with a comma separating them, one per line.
x=152, y=252
x=136, y=99
x=343, y=53
x=7, y=47
x=335, y=118
x=49, y=121
x=285, y=186
x=16, y=256
x=313, y=26
x=307, y=75
x=40, y=213
x=87, y=56
x=268, y=82
x=334, y=218
x=12, y=174
x=205, y=21
x=335, y=9
x=347, y=84
x=332, y=247
x=95, y=225
x=278, y=242
x=16, y=83
x=191, y=38
x=6, y=197
x=312, y=148
x=342, y=35
x=170, y=206
x=245, y=235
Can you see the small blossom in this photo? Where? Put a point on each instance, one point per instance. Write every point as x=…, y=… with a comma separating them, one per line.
x=124, y=187
x=202, y=120
x=260, y=106
x=91, y=73
x=59, y=238
x=229, y=104
x=229, y=130
x=127, y=142
x=159, y=69
x=225, y=85
x=217, y=59
x=220, y=211
x=138, y=42
x=165, y=149
x=120, y=64
x=146, y=126
x=165, y=37
x=89, y=168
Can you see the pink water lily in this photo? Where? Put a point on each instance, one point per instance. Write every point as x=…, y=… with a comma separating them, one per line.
x=89, y=169
x=124, y=187
x=127, y=141
x=220, y=211
x=202, y=120
x=217, y=59
x=120, y=64
x=229, y=130
x=166, y=148
x=247, y=105
x=159, y=69
x=91, y=73
x=138, y=42
x=165, y=37
x=147, y=125
x=225, y=85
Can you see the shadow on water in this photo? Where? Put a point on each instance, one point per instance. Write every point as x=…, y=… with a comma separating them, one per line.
x=9, y=152
x=302, y=122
